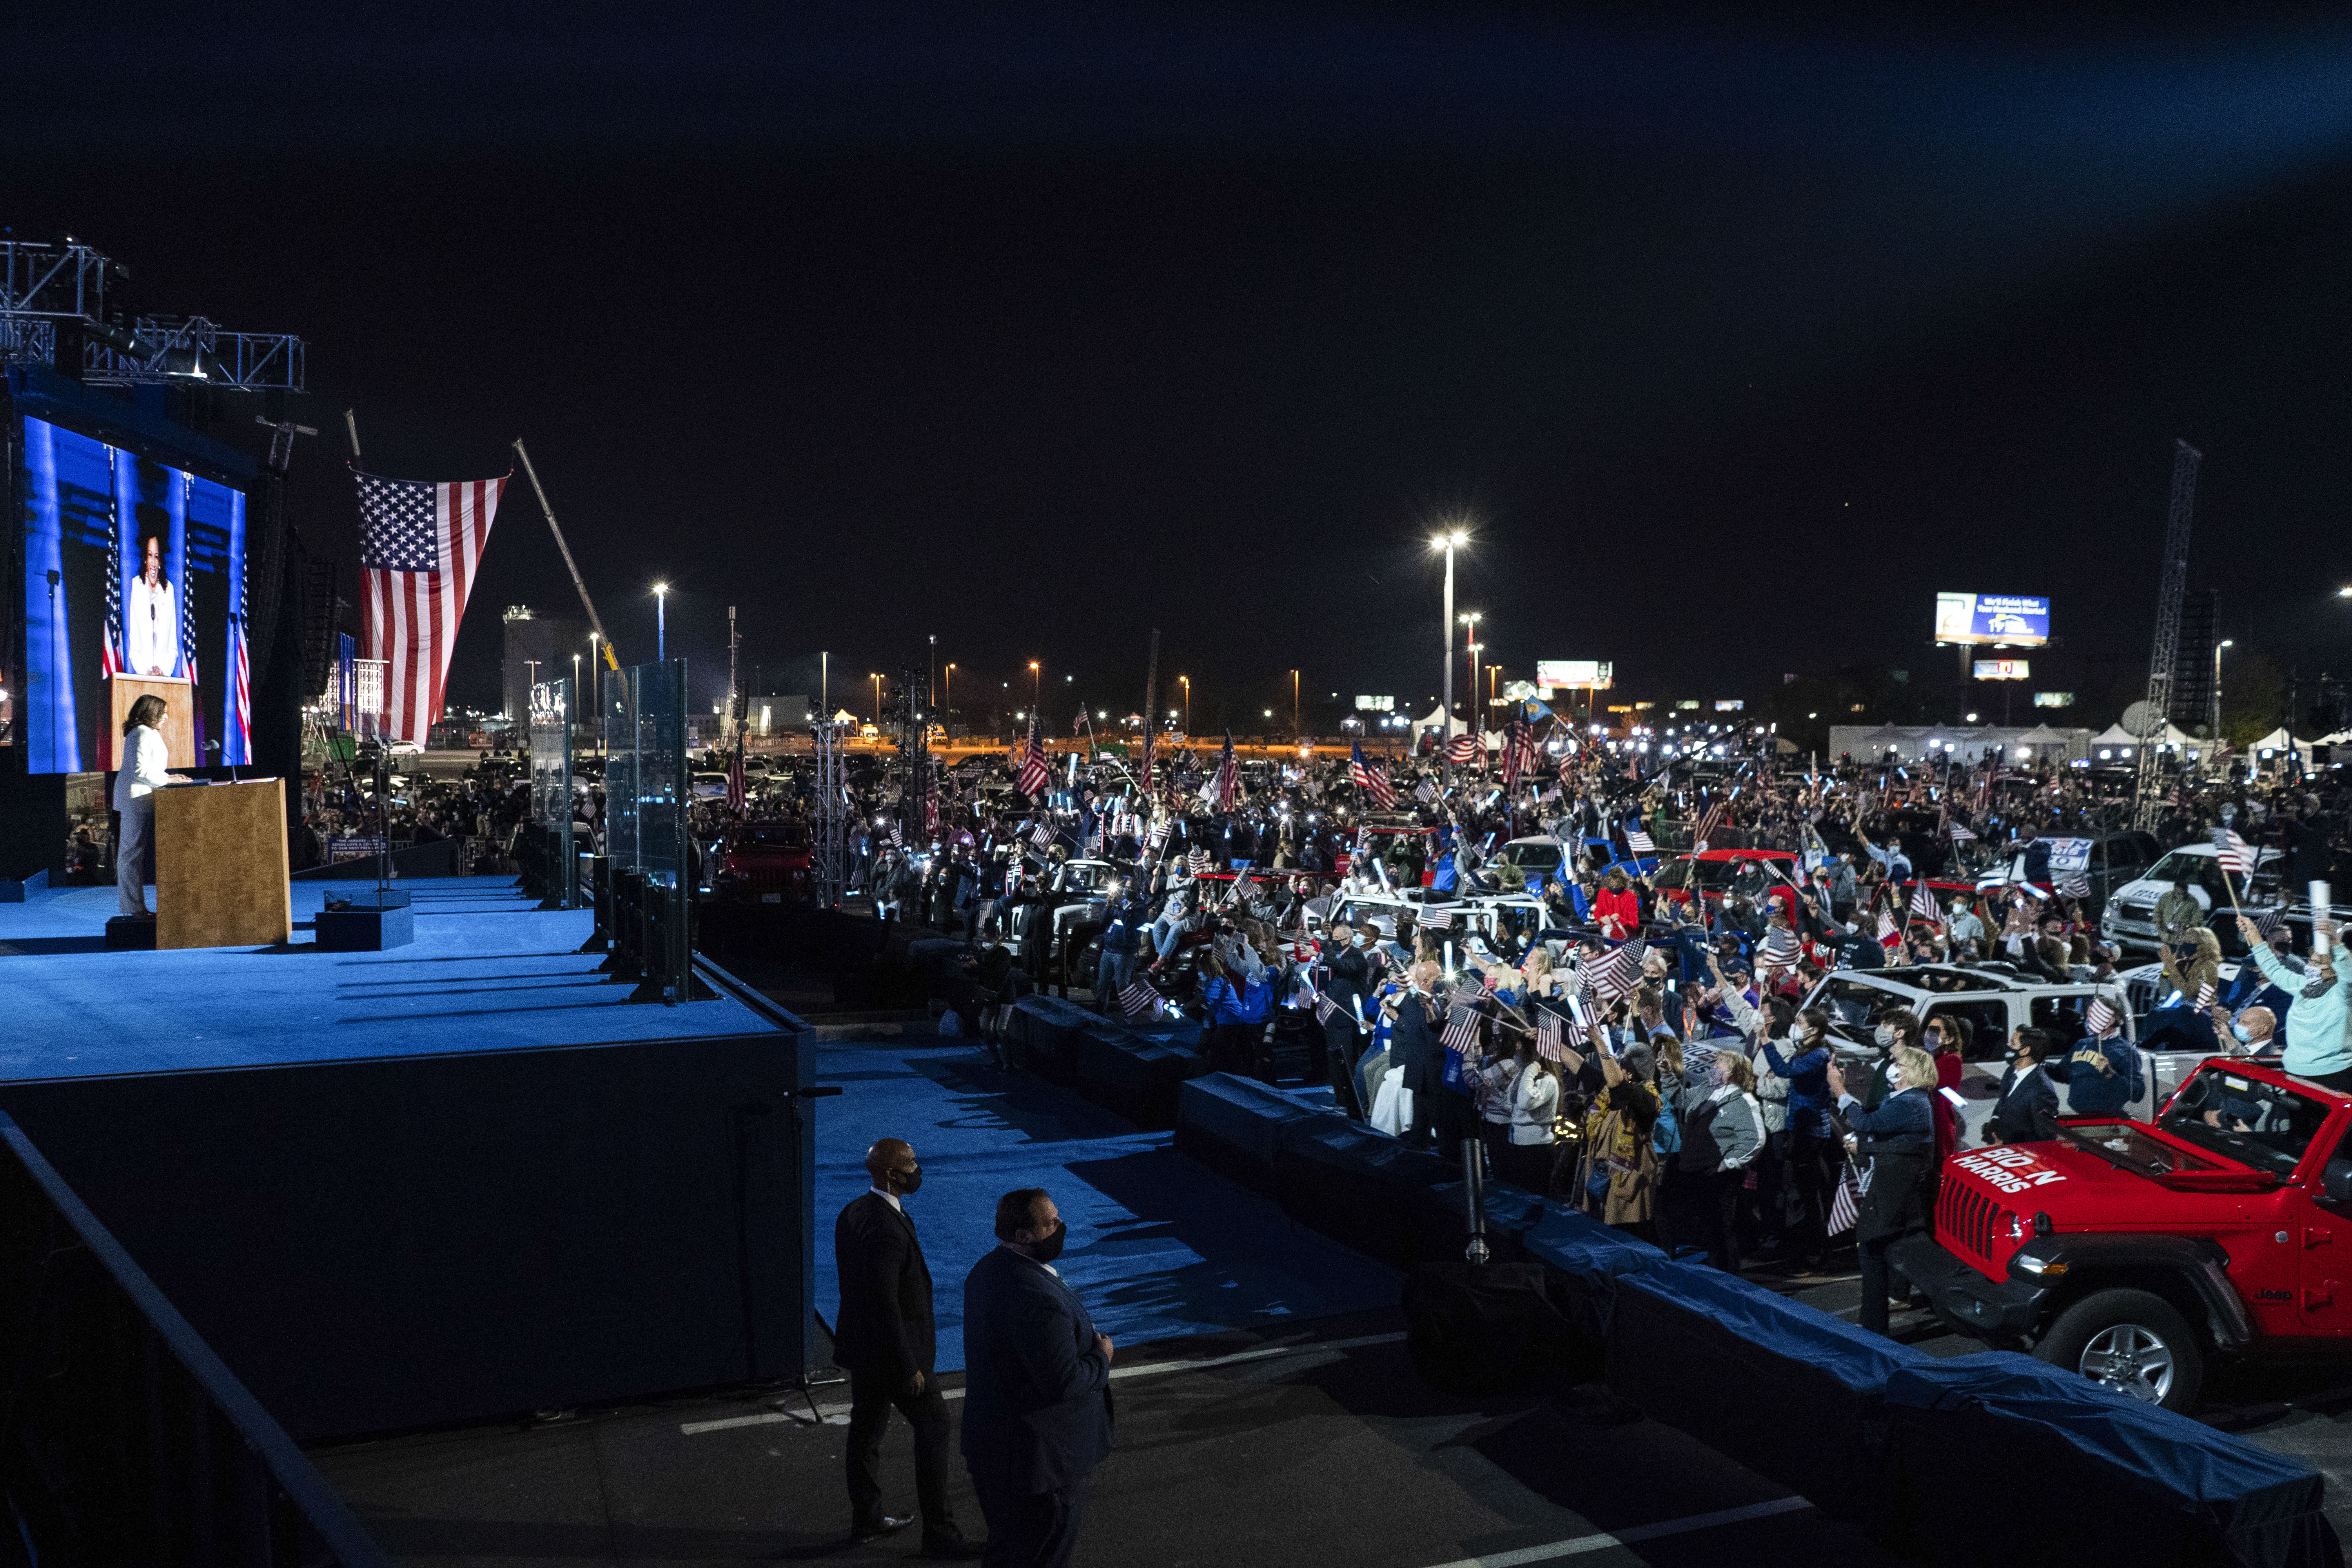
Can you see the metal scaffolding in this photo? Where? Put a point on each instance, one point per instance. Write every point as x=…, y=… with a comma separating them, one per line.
x=49, y=290
x=2147, y=793
x=829, y=853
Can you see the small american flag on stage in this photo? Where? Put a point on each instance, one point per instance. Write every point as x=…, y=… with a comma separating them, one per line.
x=1462, y=1027
x=420, y=544
x=2234, y=854
x=1034, y=774
x=1371, y=780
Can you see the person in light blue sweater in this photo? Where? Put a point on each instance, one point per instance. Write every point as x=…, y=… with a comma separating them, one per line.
x=2316, y=1046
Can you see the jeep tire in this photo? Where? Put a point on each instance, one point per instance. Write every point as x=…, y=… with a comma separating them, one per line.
x=2133, y=1341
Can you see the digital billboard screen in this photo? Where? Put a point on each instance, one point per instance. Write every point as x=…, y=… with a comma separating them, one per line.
x=134, y=580
x=2004, y=669
x=1992, y=618
x=1595, y=673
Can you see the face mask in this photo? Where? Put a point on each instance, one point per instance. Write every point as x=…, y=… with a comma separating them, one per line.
x=905, y=1181
x=1893, y=1080
x=2245, y=1036
x=1360, y=939
x=1884, y=1035
x=1050, y=1248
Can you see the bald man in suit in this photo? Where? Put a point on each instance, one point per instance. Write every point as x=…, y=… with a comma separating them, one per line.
x=885, y=1336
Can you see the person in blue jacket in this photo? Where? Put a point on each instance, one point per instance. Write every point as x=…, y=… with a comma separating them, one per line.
x=1810, y=1139
x=2102, y=1073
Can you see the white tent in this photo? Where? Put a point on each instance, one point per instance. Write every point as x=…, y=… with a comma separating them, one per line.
x=1437, y=716
x=2278, y=739
x=2117, y=735
x=2043, y=735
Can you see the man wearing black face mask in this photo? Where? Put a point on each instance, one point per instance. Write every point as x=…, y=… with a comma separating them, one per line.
x=885, y=1338
x=1037, y=1412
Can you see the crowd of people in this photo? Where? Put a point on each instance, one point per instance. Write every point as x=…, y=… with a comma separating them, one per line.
x=1610, y=1034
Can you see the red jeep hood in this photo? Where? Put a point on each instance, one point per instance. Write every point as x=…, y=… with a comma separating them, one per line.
x=2078, y=1189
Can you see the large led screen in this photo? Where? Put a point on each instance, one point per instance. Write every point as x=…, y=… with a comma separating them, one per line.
x=2007, y=619
x=132, y=569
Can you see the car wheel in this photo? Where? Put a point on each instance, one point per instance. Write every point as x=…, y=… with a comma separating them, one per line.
x=2131, y=1340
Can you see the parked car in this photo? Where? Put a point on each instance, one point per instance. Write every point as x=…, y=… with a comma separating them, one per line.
x=2140, y=1251
x=2128, y=920
x=766, y=863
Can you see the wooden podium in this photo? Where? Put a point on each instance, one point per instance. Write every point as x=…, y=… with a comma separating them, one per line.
x=220, y=864
x=179, y=726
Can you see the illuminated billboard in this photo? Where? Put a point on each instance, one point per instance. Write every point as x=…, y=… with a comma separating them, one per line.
x=1595, y=673
x=1992, y=618
x=2003, y=669
x=2053, y=699
x=1365, y=704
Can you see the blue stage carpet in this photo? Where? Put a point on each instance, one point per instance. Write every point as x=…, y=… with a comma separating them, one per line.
x=486, y=971
x=1159, y=1246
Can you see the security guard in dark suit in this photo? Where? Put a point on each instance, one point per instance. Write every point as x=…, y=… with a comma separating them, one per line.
x=1037, y=1407
x=886, y=1340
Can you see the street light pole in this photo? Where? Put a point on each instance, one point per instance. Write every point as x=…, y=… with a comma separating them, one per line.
x=1298, y=732
x=1036, y=688
x=1449, y=543
x=1186, y=681
x=661, y=623
x=2216, y=744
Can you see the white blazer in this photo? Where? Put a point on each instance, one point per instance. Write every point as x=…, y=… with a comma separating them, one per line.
x=146, y=767
x=150, y=629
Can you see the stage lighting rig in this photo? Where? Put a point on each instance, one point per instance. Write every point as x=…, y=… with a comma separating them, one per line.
x=53, y=302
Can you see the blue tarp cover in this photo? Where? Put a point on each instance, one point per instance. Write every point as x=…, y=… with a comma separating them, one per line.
x=2259, y=1506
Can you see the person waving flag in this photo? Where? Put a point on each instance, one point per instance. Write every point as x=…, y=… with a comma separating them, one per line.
x=1219, y=792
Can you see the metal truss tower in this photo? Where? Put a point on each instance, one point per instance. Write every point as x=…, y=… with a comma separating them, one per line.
x=914, y=741
x=829, y=854
x=2147, y=793
x=53, y=297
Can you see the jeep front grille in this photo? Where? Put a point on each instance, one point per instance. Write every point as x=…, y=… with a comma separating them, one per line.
x=1970, y=1219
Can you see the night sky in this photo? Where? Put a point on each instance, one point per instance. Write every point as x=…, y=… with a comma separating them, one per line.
x=1036, y=327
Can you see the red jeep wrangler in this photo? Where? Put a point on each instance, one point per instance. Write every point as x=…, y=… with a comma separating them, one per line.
x=2135, y=1253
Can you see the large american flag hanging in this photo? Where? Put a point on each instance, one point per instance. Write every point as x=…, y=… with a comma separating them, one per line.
x=420, y=544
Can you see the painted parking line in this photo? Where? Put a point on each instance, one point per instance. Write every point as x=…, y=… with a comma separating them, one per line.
x=1576, y=1546
x=1151, y=1369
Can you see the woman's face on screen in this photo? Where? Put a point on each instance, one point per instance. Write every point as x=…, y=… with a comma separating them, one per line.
x=154, y=560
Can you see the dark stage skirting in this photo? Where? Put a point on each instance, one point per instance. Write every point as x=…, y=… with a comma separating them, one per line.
x=455, y=1181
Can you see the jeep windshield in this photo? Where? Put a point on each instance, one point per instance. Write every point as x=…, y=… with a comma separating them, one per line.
x=1541, y=859
x=2258, y=1125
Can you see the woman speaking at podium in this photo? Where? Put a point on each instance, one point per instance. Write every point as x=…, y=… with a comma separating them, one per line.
x=144, y=760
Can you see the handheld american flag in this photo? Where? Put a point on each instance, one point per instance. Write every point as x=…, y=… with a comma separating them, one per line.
x=1466, y=750
x=1845, y=1207
x=2205, y=997
x=1374, y=781
x=420, y=545
x=1618, y=972
x=1462, y=1027
x=1779, y=948
x=735, y=790
x=2100, y=1021
x=1219, y=792
x=1639, y=842
x=2235, y=855
x=1961, y=834
x=1924, y=906
x=1034, y=774
x=1138, y=1000
x=1041, y=836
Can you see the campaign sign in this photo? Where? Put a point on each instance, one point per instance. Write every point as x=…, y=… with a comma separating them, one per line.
x=1992, y=618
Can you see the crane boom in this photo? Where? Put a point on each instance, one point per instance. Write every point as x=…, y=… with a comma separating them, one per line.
x=2147, y=793
x=612, y=660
